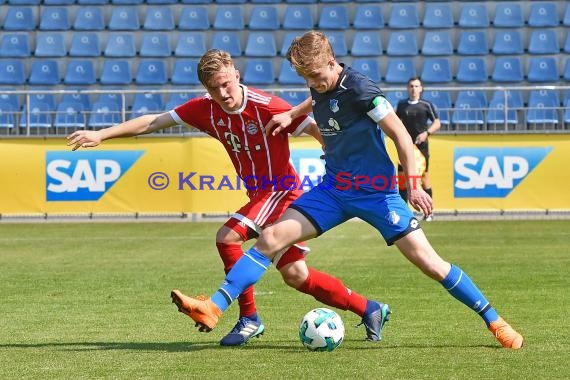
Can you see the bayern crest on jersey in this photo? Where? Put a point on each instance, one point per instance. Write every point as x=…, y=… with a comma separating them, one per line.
x=333, y=104
x=251, y=128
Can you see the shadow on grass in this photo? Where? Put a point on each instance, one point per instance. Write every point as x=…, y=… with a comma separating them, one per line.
x=188, y=346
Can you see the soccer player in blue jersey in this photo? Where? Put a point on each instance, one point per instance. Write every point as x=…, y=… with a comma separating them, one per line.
x=353, y=117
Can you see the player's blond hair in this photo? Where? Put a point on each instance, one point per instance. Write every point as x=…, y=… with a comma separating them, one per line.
x=213, y=62
x=310, y=52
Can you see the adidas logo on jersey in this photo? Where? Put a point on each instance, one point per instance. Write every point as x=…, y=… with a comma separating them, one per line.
x=221, y=123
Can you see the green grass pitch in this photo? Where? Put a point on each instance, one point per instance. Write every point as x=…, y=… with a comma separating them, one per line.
x=91, y=300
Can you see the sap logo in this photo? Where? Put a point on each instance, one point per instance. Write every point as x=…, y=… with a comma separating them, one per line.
x=85, y=176
x=493, y=172
x=308, y=164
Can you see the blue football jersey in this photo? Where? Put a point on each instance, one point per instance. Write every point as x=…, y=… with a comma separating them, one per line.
x=354, y=144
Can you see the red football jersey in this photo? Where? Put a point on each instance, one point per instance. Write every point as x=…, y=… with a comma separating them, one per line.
x=261, y=161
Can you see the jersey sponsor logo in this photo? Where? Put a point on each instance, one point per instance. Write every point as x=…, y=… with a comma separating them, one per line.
x=233, y=141
x=333, y=104
x=493, y=172
x=85, y=176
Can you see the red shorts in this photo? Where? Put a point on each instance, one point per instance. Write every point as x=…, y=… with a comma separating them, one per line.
x=263, y=210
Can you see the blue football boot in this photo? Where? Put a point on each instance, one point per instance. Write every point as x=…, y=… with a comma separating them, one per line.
x=374, y=322
x=245, y=329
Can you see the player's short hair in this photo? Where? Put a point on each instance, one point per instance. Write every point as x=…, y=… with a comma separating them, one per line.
x=310, y=52
x=213, y=62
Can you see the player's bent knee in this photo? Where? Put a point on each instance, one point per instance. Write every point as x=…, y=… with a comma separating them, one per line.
x=295, y=274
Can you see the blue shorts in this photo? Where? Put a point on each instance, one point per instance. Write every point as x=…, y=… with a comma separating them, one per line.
x=326, y=207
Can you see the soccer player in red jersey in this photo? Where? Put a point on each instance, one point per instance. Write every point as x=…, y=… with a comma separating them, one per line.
x=235, y=115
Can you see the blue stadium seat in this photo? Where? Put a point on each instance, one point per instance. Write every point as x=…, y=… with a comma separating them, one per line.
x=400, y=70
x=92, y=2
x=50, y=44
x=151, y=71
x=40, y=98
x=508, y=15
x=112, y=97
x=124, y=18
x=543, y=69
x=227, y=17
x=496, y=113
x=228, y=41
x=89, y=18
x=69, y=115
x=543, y=41
x=473, y=16
x=190, y=44
x=508, y=42
x=80, y=72
x=368, y=67
x=288, y=75
x=436, y=70
x=442, y=101
x=54, y=18
x=231, y=1
x=287, y=40
x=368, y=16
x=194, y=18
x=40, y=116
x=261, y=44
x=120, y=45
x=468, y=113
x=566, y=18
x=197, y=1
x=15, y=45
x=294, y=97
x=395, y=96
x=77, y=97
x=366, y=43
x=472, y=96
x=402, y=43
x=333, y=17
x=44, y=72
x=472, y=42
x=264, y=17
x=438, y=16
x=301, y=1
x=567, y=43
x=12, y=99
x=259, y=71
x=143, y=98
x=566, y=74
x=127, y=2
x=155, y=45
x=104, y=114
x=338, y=43
x=7, y=117
x=542, y=113
x=159, y=18
x=298, y=17
x=57, y=2
x=23, y=2
x=116, y=72
x=543, y=14
x=84, y=44
x=178, y=98
x=12, y=72
x=548, y=96
x=513, y=99
x=437, y=43
x=19, y=18
x=472, y=70
x=185, y=72
x=403, y=16
x=154, y=2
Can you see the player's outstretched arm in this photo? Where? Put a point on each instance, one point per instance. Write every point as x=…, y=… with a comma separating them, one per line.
x=281, y=121
x=393, y=127
x=138, y=126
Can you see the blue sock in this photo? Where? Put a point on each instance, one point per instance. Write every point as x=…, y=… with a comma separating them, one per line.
x=246, y=271
x=460, y=286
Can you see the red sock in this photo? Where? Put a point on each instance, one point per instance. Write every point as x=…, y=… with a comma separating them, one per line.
x=331, y=291
x=230, y=253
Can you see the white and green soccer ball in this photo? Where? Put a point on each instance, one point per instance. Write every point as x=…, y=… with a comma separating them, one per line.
x=321, y=330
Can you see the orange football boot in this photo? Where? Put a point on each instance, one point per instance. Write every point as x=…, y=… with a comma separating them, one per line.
x=203, y=311
x=506, y=335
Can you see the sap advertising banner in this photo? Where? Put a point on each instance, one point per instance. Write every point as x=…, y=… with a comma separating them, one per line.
x=493, y=172
x=193, y=175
